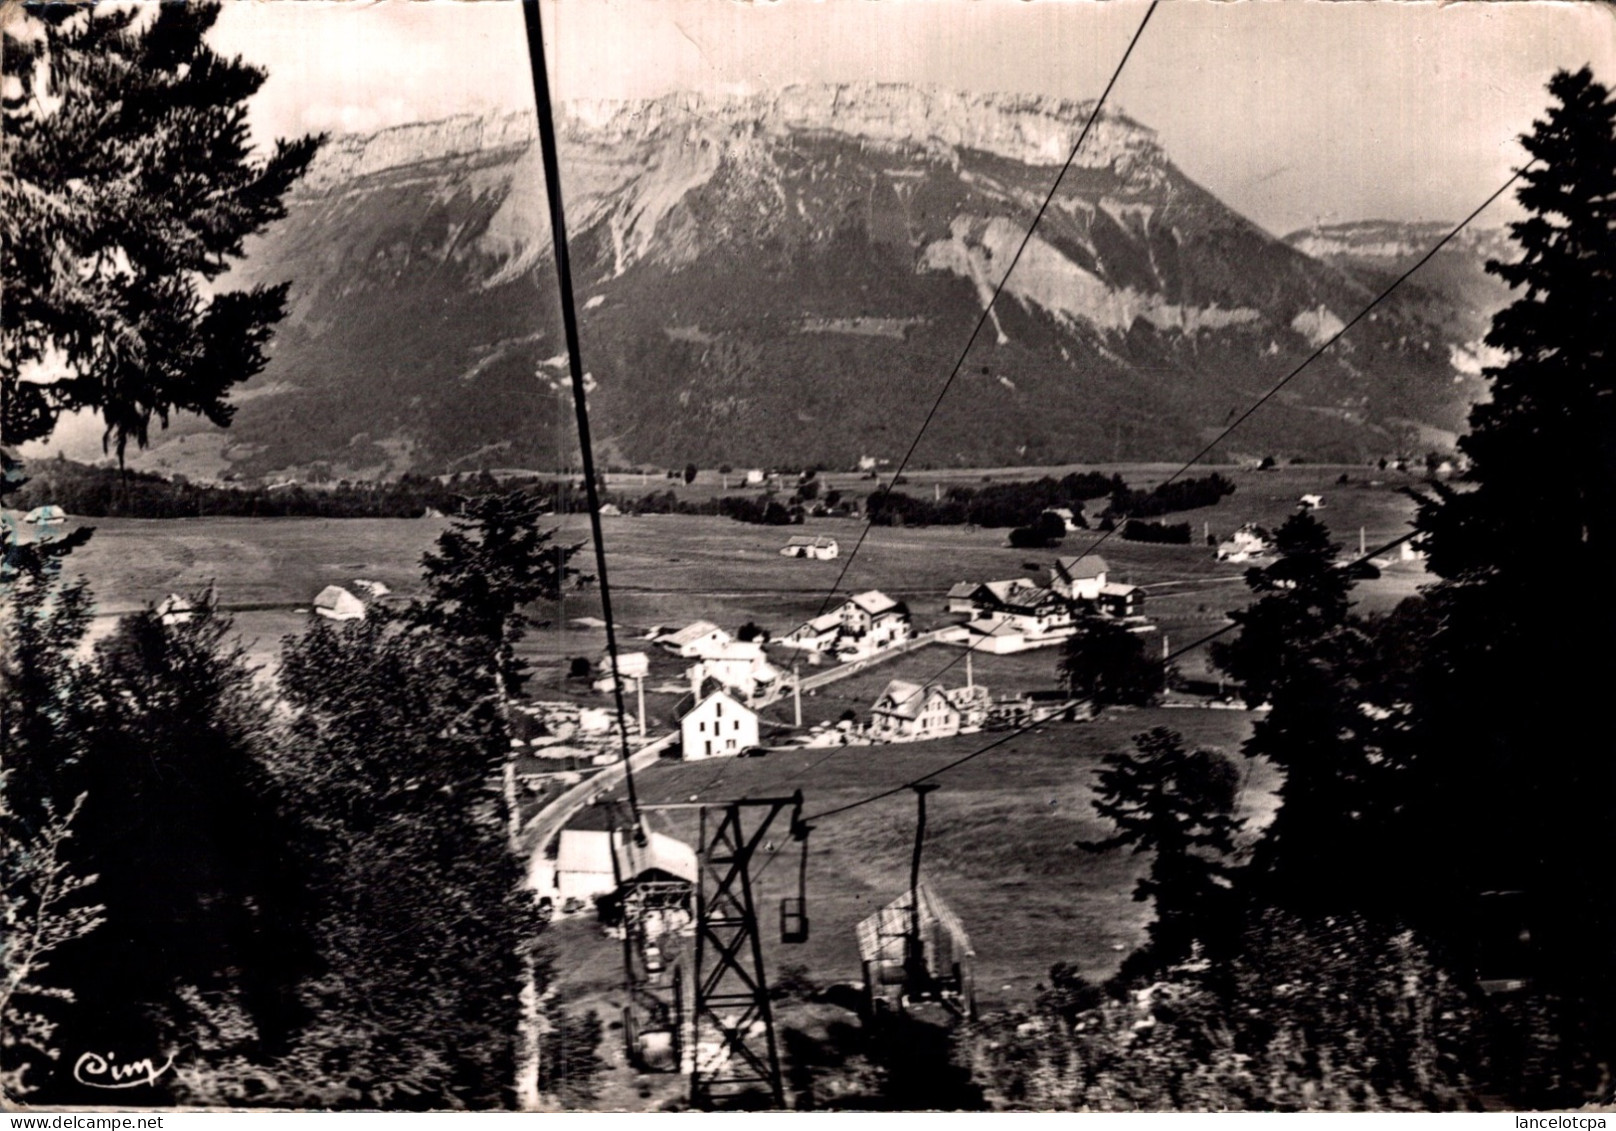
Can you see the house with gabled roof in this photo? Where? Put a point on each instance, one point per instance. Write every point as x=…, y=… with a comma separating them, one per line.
x=817, y=635
x=1038, y=613
x=1080, y=578
x=693, y=639
x=872, y=620
x=718, y=726
x=906, y=712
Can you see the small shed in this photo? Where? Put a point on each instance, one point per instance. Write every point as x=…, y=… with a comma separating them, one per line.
x=175, y=609
x=336, y=603
x=46, y=516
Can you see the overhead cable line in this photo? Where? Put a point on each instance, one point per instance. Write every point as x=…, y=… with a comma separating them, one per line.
x=569, y=322
x=1283, y=381
x=1325, y=345
x=987, y=310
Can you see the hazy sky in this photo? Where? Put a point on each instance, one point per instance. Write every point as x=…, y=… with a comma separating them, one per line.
x=1292, y=111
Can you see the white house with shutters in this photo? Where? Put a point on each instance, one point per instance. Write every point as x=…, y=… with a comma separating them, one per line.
x=717, y=727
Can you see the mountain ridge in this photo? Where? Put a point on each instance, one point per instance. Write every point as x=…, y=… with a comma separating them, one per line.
x=787, y=276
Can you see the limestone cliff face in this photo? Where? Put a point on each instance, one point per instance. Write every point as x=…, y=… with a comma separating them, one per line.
x=751, y=266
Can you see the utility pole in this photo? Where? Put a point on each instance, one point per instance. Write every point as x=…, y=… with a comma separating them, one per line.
x=796, y=696
x=1361, y=543
x=639, y=686
x=970, y=679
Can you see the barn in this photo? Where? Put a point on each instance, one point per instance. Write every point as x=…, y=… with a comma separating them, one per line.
x=820, y=547
x=336, y=603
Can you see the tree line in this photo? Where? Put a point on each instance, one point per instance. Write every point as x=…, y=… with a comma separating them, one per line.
x=1426, y=920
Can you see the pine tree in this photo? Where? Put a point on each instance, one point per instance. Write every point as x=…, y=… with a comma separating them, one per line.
x=127, y=185
x=1516, y=788
x=1302, y=653
x=1105, y=663
x=1178, y=805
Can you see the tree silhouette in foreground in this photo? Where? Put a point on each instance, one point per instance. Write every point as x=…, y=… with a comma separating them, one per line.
x=1515, y=791
x=127, y=187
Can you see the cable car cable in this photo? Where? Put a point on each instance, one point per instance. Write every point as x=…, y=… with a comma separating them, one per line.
x=569, y=321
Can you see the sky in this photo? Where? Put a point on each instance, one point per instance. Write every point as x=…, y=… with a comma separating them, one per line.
x=1293, y=112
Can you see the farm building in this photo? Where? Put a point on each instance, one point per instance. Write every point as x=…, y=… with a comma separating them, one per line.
x=874, y=620
x=584, y=867
x=718, y=726
x=630, y=666
x=45, y=516
x=754, y=476
x=1038, y=613
x=175, y=609
x=738, y=666
x=1081, y=577
x=941, y=965
x=820, y=547
x=996, y=636
x=1118, y=600
x=1250, y=541
x=905, y=712
x=336, y=603
x=962, y=598
x=691, y=640
x=1311, y=502
x=817, y=635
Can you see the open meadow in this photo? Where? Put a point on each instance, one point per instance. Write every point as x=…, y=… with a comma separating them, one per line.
x=672, y=569
x=1002, y=847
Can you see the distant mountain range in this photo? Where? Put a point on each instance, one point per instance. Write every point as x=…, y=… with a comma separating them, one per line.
x=788, y=278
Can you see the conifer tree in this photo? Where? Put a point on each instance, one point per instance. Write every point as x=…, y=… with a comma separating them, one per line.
x=127, y=185
x=1517, y=790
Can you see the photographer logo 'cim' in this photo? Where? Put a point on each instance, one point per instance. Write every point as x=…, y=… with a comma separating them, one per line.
x=97, y=1071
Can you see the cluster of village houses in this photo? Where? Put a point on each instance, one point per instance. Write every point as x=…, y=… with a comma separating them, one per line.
x=1001, y=617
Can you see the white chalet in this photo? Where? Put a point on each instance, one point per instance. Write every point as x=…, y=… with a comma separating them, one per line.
x=718, y=726
x=817, y=635
x=693, y=639
x=820, y=547
x=873, y=620
x=1081, y=577
x=905, y=711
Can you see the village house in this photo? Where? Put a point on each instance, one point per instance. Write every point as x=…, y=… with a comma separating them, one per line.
x=718, y=726
x=1080, y=578
x=873, y=620
x=630, y=666
x=820, y=547
x=693, y=639
x=336, y=603
x=585, y=869
x=1250, y=541
x=906, y=712
x=1119, y=600
x=817, y=635
x=739, y=666
x=973, y=703
x=1037, y=613
x=962, y=598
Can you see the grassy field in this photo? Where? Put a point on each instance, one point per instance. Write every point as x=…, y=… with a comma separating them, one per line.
x=1001, y=847
x=670, y=570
